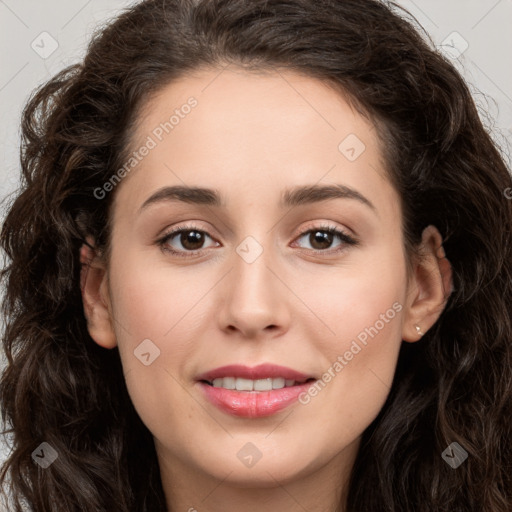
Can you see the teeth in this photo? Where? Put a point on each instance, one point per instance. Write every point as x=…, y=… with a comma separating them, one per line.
x=244, y=384
x=241, y=384
x=229, y=383
x=262, y=385
x=278, y=383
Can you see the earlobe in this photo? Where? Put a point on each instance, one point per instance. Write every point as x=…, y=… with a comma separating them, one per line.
x=430, y=287
x=94, y=288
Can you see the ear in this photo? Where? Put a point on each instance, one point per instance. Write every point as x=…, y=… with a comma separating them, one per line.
x=94, y=287
x=429, y=286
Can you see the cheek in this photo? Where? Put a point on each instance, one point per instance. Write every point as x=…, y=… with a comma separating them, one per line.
x=157, y=303
x=356, y=381
x=364, y=316
x=349, y=301
x=156, y=320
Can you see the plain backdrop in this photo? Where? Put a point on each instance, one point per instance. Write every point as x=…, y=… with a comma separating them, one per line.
x=38, y=38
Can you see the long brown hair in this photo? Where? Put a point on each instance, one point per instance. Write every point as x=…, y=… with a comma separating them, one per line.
x=455, y=385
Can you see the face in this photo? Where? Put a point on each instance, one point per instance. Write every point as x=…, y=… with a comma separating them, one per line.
x=290, y=267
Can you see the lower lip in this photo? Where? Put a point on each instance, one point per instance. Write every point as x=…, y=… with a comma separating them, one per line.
x=253, y=404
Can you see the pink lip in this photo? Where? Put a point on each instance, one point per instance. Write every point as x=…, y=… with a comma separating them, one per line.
x=262, y=371
x=253, y=404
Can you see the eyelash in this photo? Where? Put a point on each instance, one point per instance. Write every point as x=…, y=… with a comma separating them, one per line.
x=344, y=237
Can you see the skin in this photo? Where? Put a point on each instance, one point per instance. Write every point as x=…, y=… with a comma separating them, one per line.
x=251, y=136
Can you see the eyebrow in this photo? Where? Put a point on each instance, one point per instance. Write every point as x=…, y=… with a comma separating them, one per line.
x=297, y=196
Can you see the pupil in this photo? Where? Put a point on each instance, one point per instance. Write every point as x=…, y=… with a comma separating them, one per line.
x=324, y=239
x=192, y=239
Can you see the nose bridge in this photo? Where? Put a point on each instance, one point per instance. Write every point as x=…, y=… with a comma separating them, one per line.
x=254, y=298
x=251, y=273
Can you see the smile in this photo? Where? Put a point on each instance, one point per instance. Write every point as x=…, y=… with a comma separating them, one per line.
x=253, y=392
x=241, y=384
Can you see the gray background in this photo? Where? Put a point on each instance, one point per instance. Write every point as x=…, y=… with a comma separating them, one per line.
x=484, y=24
x=481, y=49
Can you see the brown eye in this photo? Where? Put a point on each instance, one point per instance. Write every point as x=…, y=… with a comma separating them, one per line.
x=322, y=238
x=184, y=241
x=191, y=240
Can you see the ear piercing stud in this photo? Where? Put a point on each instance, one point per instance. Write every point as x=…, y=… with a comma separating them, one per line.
x=418, y=330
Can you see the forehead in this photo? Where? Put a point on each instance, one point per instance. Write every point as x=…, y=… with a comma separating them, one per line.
x=232, y=102
x=248, y=132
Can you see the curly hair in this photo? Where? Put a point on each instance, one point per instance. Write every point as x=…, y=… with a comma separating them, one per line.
x=454, y=385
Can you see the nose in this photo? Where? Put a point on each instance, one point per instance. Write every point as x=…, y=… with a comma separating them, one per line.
x=255, y=302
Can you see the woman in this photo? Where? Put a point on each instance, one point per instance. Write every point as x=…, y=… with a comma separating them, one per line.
x=261, y=258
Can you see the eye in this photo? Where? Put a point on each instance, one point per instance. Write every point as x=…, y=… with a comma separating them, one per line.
x=321, y=238
x=191, y=239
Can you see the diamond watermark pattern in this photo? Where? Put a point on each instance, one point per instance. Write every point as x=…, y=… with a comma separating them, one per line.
x=351, y=147
x=146, y=352
x=249, y=455
x=44, y=45
x=454, y=45
x=249, y=249
x=454, y=455
x=44, y=455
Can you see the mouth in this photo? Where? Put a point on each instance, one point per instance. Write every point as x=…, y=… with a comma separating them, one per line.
x=266, y=384
x=253, y=392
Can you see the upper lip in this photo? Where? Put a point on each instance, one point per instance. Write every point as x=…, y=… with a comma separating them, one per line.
x=262, y=371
